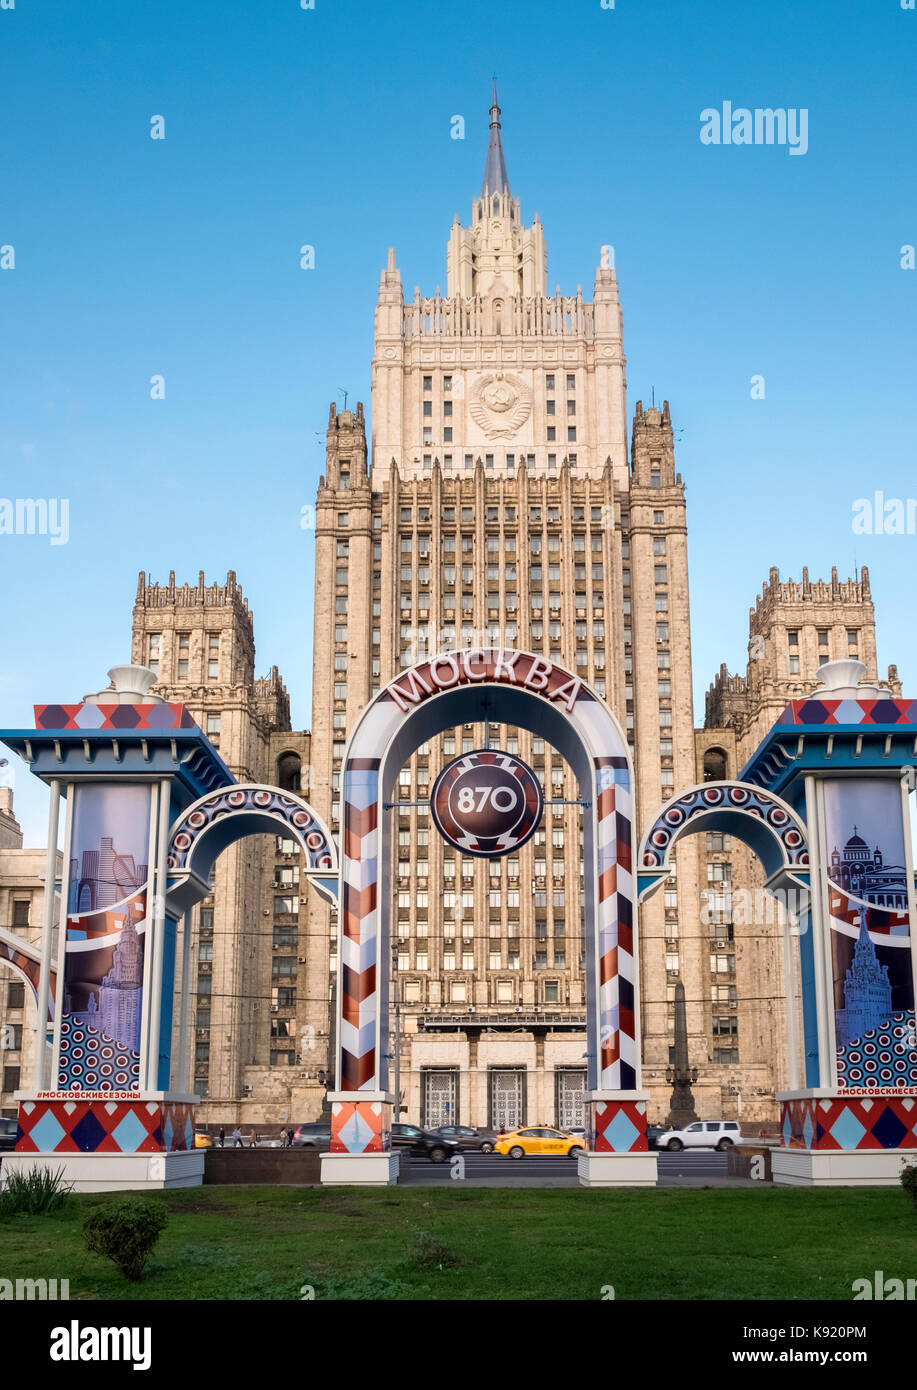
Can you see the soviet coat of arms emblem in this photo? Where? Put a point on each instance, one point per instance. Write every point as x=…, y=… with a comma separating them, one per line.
x=500, y=404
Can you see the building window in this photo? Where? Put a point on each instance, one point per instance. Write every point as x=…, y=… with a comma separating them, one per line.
x=20, y=912
x=153, y=653
x=213, y=655
x=15, y=995
x=213, y=723
x=184, y=646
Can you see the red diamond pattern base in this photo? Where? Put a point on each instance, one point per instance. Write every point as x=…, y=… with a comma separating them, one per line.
x=105, y=1126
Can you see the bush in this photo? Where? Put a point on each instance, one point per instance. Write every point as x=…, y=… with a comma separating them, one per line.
x=909, y=1181
x=34, y=1193
x=125, y=1232
x=431, y=1252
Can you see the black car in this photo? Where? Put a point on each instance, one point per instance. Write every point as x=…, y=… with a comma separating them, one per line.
x=466, y=1137
x=9, y=1128
x=423, y=1144
x=652, y=1134
x=315, y=1135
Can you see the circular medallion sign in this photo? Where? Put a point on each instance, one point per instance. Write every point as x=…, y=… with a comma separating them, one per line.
x=487, y=803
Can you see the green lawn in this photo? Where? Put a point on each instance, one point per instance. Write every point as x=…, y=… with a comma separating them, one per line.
x=508, y=1243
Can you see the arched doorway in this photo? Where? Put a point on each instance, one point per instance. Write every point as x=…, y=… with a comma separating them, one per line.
x=525, y=690
x=776, y=834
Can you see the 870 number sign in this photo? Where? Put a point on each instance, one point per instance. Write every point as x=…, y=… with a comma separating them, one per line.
x=487, y=803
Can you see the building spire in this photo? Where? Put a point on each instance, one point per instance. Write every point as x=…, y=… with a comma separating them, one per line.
x=496, y=179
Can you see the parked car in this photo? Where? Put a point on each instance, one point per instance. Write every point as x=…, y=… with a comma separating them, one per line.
x=704, y=1134
x=467, y=1137
x=422, y=1144
x=654, y=1135
x=9, y=1128
x=202, y=1139
x=540, y=1140
x=314, y=1135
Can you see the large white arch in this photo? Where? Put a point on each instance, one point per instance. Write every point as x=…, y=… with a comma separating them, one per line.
x=526, y=690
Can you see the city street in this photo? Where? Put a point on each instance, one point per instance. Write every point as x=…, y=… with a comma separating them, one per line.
x=496, y=1170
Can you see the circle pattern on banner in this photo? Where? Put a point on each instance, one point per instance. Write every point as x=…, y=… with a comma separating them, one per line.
x=750, y=800
x=487, y=803
x=882, y=1057
x=225, y=802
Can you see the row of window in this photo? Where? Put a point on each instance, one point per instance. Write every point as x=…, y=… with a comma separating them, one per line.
x=537, y=575
x=510, y=460
x=500, y=991
x=183, y=654
x=549, y=380
x=508, y=513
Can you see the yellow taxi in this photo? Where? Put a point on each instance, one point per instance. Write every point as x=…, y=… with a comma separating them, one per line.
x=539, y=1139
x=202, y=1140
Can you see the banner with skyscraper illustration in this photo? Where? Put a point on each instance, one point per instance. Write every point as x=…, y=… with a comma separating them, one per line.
x=867, y=897
x=105, y=932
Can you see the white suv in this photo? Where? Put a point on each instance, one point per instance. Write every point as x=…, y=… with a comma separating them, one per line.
x=705, y=1134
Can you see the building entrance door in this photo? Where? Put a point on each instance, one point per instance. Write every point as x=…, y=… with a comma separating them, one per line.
x=507, y=1099
x=570, y=1090
x=439, y=1099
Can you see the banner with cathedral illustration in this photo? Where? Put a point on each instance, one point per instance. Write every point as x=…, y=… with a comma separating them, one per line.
x=105, y=931
x=867, y=897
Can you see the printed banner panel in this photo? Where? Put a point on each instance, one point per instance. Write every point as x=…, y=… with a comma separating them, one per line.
x=105, y=932
x=871, y=940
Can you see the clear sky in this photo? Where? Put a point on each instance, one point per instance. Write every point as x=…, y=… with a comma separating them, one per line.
x=331, y=127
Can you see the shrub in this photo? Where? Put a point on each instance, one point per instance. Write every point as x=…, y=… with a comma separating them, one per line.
x=909, y=1181
x=431, y=1252
x=125, y=1232
x=35, y=1192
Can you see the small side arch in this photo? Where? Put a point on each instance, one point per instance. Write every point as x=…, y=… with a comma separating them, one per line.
x=767, y=824
x=217, y=820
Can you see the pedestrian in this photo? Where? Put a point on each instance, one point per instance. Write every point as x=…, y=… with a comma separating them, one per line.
x=283, y=1138
x=251, y=1138
x=222, y=1136
x=237, y=1137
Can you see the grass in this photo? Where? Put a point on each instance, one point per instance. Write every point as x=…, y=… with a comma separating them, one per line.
x=487, y=1243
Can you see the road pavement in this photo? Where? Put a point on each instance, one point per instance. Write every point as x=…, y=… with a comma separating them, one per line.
x=494, y=1170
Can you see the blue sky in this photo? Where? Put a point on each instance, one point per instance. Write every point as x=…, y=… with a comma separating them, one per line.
x=332, y=127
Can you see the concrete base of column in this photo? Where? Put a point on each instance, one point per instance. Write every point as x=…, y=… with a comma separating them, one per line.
x=95, y=1172
x=840, y=1167
x=617, y=1170
x=360, y=1170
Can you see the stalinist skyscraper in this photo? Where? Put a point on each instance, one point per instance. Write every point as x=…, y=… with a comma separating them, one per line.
x=499, y=503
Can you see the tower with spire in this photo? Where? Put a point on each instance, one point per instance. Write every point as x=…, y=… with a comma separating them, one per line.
x=867, y=992
x=496, y=255
x=504, y=504
x=519, y=359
